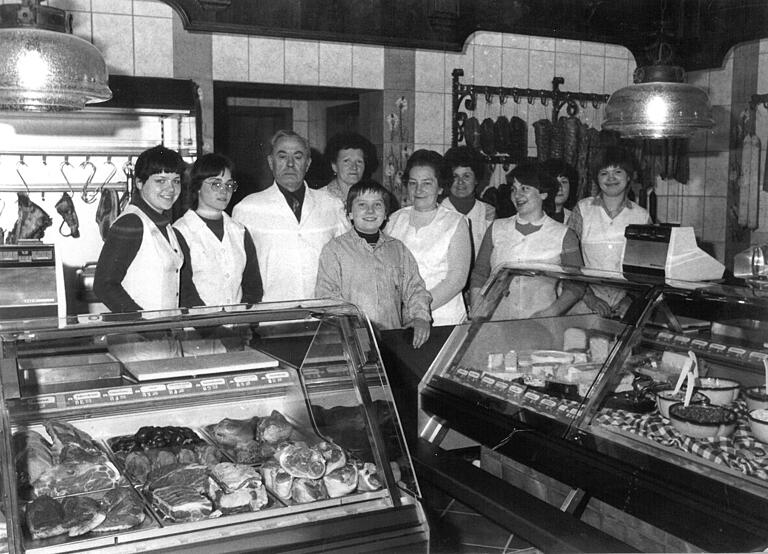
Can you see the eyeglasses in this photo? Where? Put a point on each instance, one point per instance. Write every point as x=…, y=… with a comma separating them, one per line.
x=218, y=184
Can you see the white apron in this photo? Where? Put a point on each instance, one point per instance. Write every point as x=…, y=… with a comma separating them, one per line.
x=217, y=266
x=527, y=294
x=288, y=250
x=429, y=245
x=478, y=220
x=152, y=279
x=602, y=241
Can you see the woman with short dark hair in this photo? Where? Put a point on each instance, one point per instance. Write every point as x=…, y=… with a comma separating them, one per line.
x=352, y=157
x=221, y=264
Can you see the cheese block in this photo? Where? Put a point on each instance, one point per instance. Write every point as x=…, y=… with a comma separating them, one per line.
x=599, y=347
x=575, y=338
x=551, y=356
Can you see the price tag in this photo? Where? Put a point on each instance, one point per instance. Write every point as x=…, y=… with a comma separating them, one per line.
x=573, y=412
x=152, y=391
x=501, y=385
x=515, y=390
x=759, y=356
x=665, y=336
x=276, y=376
x=715, y=347
x=40, y=402
x=680, y=339
x=179, y=388
x=562, y=408
x=548, y=404
x=487, y=381
x=83, y=398
x=532, y=397
x=115, y=395
x=213, y=384
x=473, y=375
x=240, y=381
x=698, y=343
x=735, y=351
x=462, y=373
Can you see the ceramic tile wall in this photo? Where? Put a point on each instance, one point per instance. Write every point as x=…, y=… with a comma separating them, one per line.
x=760, y=236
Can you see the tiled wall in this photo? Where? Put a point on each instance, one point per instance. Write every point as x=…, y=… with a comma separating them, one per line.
x=146, y=37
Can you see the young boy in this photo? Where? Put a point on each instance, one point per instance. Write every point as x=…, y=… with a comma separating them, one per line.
x=372, y=270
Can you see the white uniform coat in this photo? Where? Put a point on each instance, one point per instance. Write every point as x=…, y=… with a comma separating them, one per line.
x=602, y=240
x=429, y=245
x=480, y=217
x=288, y=250
x=152, y=279
x=527, y=294
x=217, y=265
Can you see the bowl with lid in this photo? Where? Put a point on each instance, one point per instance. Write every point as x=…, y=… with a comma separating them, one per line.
x=758, y=422
x=701, y=421
x=756, y=398
x=719, y=390
x=665, y=397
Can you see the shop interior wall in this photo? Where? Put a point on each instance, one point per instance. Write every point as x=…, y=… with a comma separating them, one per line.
x=146, y=37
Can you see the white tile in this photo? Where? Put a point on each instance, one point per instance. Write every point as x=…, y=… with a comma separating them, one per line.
x=721, y=85
x=117, y=48
x=447, y=120
x=300, y=110
x=616, y=51
x=430, y=71
x=567, y=45
x=335, y=64
x=368, y=67
x=112, y=6
x=592, y=77
x=615, y=74
x=464, y=60
x=514, y=65
x=266, y=60
x=428, y=126
x=714, y=216
x=567, y=66
x=485, y=38
x=488, y=65
x=541, y=69
x=153, y=46
x=229, y=57
x=153, y=8
x=542, y=43
x=764, y=45
x=302, y=62
x=593, y=48
x=716, y=183
x=67, y=5
x=515, y=41
x=81, y=26
x=697, y=176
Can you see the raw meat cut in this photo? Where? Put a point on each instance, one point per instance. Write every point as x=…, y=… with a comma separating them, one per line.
x=181, y=503
x=107, y=212
x=190, y=475
x=274, y=428
x=301, y=461
x=341, y=481
x=32, y=457
x=45, y=517
x=137, y=466
x=235, y=476
x=124, y=510
x=207, y=454
x=277, y=479
x=66, y=209
x=75, y=478
x=308, y=490
x=64, y=433
x=235, y=431
x=81, y=514
x=369, y=479
x=32, y=221
x=333, y=455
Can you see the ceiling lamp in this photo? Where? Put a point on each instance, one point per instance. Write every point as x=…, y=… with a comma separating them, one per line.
x=42, y=66
x=658, y=105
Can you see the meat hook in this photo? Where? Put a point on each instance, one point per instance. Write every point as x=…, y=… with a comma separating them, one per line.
x=19, y=165
x=62, y=168
x=88, y=197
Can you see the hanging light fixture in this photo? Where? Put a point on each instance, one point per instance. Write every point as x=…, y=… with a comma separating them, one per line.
x=659, y=104
x=42, y=66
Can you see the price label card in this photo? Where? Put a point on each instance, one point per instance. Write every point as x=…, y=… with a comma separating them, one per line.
x=473, y=375
x=40, y=402
x=760, y=356
x=213, y=384
x=462, y=373
x=487, y=381
x=501, y=385
x=83, y=398
x=115, y=395
x=515, y=389
x=698, y=343
x=664, y=335
x=548, y=404
x=680, y=339
x=716, y=347
x=152, y=391
x=277, y=376
x=179, y=387
x=240, y=381
x=736, y=351
x=562, y=409
x=532, y=397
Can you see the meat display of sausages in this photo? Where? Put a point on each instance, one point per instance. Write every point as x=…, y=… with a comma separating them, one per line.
x=518, y=139
x=487, y=140
x=571, y=141
x=502, y=135
x=543, y=132
x=557, y=143
x=472, y=132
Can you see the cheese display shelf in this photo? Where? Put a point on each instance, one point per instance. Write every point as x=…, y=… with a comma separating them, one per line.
x=598, y=403
x=261, y=428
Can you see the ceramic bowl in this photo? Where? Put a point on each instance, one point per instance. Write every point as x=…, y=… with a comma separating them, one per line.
x=720, y=391
x=702, y=421
x=756, y=398
x=666, y=397
x=758, y=422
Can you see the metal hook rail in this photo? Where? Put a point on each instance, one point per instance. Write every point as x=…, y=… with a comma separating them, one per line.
x=468, y=95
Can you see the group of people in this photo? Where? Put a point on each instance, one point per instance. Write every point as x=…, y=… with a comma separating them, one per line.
x=415, y=266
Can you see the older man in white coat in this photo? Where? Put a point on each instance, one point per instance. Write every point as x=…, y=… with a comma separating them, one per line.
x=289, y=222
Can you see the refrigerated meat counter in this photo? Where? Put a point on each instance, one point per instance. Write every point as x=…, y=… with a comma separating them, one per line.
x=649, y=423
x=239, y=428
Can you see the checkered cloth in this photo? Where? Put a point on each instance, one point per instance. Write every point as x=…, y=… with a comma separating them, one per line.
x=741, y=451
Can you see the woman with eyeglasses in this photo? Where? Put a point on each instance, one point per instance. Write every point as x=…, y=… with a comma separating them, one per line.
x=220, y=257
x=139, y=265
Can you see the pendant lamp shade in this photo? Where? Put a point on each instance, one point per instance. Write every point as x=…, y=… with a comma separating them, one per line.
x=658, y=105
x=43, y=68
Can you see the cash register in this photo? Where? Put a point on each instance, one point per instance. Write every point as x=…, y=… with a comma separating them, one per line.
x=669, y=252
x=31, y=281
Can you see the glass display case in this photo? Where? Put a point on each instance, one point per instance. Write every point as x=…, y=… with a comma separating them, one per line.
x=658, y=408
x=261, y=428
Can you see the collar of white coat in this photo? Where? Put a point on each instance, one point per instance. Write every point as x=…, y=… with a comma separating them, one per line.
x=599, y=201
x=306, y=208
